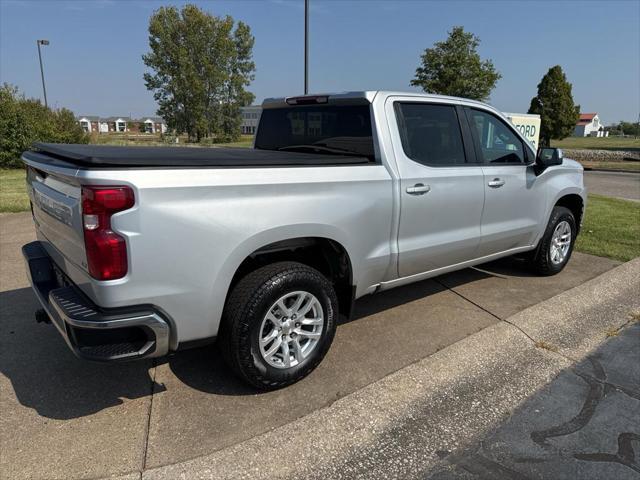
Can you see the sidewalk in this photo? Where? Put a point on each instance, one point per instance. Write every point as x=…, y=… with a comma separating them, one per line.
x=550, y=392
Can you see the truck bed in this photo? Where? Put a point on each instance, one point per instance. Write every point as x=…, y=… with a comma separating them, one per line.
x=107, y=156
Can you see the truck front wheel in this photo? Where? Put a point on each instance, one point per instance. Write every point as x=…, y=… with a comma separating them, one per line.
x=556, y=245
x=278, y=324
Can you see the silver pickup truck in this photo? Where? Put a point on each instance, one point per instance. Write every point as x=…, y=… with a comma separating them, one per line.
x=142, y=251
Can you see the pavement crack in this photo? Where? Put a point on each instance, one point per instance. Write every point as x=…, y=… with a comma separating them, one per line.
x=442, y=284
x=148, y=427
x=492, y=274
x=485, y=310
x=624, y=456
x=596, y=393
x=484, y=467
x=536, y=343
x=626, y=324
x=608, y=385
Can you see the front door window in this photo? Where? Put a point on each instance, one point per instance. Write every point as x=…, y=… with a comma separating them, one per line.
x=498, y=143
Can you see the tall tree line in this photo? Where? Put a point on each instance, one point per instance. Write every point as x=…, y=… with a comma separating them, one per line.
x=200, y=67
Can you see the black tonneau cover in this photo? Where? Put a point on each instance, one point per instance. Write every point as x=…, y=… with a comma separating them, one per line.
x=107, y=156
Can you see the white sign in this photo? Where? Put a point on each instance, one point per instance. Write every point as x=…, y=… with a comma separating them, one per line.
x=527, y=124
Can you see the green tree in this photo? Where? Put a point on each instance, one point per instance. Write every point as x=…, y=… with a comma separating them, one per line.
x=24, y=121
x=201, y=65
x=554, y=104
x=629, y=128
x=68, y=128
x=453, y=67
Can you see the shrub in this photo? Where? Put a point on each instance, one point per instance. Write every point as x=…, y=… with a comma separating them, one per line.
x=24, y=121
x=169, y=138
x=222, y=138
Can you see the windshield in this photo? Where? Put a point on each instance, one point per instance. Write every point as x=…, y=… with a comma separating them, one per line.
x=325, y=129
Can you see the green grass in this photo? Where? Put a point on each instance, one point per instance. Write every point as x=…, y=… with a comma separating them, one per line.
x=151, y=140
x=594, y=143
x=13, y=192
x=124, y=139
x=243, y=143
x=611, y=228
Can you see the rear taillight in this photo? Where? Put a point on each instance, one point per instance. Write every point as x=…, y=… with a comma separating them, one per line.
x=106, y=250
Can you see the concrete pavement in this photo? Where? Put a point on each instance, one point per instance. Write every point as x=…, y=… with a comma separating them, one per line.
x=85, y=420
x=613, y=184
x=59, y=417
x=526, y=398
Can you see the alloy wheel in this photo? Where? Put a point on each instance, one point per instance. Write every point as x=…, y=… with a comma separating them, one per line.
x=291, y=329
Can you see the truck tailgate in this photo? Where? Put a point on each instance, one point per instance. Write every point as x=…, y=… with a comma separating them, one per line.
x=56, y=207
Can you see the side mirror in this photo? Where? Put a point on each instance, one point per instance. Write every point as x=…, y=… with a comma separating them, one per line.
x=548, y=157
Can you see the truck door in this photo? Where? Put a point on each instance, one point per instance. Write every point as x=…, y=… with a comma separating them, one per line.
x=514, y=200
x=442, y=186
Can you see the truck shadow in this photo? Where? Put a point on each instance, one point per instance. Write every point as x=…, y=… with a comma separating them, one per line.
x=48, y=378
x=204, y=369
x=507, y=267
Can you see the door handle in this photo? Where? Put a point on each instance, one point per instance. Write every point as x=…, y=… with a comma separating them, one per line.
x=496, y=183
x=418, y=189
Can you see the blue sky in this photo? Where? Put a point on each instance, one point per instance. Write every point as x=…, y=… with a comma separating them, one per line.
x=94, y=66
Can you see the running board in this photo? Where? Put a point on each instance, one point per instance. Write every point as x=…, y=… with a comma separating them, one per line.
x=398, y=282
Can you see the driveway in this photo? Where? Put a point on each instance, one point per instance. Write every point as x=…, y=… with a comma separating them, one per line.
x=613, y=184
x=65, y=418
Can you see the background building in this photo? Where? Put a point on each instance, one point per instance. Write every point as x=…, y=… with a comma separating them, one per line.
x=97, y=124
x=589, y=125
x=116, y=124
x=89, y=123
x=250, y=118
x=153, y=125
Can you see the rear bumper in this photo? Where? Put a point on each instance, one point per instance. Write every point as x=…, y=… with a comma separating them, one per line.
x=92, y=332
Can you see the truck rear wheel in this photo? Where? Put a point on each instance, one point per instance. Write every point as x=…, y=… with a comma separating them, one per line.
x=556, y=245
x=278, y=324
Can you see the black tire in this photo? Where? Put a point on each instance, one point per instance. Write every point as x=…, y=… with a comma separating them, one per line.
x=541, y=262
x=246, y=308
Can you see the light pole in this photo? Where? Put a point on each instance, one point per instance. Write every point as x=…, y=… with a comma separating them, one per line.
x=306, y=46
x=44, y=89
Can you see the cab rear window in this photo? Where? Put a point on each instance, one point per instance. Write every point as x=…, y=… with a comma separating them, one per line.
x=430, y=133
x=325, y=129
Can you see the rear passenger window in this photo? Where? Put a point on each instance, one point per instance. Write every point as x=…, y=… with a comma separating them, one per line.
x=430, y=133
x=498, y=143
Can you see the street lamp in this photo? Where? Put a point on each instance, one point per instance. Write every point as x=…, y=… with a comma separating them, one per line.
x=44, y=89
x=306, y=46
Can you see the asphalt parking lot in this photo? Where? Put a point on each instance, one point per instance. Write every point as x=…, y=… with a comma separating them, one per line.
x=58, y=411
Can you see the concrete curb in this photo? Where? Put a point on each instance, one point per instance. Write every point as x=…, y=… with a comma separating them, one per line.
x=467, y=388
x=579, y=325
